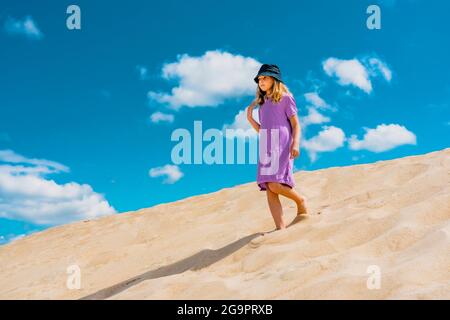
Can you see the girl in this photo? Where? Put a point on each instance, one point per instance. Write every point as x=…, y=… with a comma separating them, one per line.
x=277, y=110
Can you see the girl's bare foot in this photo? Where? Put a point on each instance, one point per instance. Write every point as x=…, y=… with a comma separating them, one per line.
x=301, y=208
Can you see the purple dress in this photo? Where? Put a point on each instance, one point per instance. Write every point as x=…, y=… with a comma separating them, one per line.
x=275, y=137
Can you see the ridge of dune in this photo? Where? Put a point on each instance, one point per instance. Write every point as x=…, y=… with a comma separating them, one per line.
x=393, y=215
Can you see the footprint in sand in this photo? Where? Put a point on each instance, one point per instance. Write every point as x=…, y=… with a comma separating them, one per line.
x=256, y=242
x=299, y=218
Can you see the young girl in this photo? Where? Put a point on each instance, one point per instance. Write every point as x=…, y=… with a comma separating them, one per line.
x=277, y=114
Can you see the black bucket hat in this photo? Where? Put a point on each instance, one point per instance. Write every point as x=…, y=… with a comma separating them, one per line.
x=269, y=70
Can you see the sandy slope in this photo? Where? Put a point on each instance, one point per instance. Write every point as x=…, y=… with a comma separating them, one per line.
x=393, y=214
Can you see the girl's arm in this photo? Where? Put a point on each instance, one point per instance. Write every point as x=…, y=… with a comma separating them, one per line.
x=250, y=119
x=296, y=136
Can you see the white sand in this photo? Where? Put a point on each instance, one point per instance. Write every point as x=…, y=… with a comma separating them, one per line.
x=392, y=214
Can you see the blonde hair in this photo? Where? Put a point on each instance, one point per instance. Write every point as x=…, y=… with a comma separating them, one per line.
x=278, y=89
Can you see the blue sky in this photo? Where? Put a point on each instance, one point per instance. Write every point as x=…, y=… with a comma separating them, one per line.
x=86, y=115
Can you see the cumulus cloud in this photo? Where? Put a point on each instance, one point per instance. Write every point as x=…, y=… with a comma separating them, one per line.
x=348, y=72
x=241, y=126
x=159, y=116
x=313, y=117
x=328, y=139
x=26, y=194
x=318, y=102
x=170, y=171
x=26, y=27
x=379, y=67
x=355, y=72
x=207, y=80
x=382, y=138
x=49, y=166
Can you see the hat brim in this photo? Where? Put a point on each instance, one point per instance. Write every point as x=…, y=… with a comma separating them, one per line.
x=271, y=74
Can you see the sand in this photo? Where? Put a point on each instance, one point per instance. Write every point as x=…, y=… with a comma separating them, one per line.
x=374, y=231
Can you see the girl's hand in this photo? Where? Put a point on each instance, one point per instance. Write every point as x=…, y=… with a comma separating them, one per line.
x=295, y=150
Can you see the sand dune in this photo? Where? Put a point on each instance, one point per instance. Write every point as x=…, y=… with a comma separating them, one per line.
x=392, y=215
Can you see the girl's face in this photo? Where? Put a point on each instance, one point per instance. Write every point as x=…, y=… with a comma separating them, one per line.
x=265, y=83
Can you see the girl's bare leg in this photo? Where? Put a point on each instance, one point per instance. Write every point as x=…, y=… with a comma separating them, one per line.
x=276, y=209
x=279, y=188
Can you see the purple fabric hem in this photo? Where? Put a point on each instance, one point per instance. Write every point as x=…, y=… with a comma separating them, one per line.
x=262, y=184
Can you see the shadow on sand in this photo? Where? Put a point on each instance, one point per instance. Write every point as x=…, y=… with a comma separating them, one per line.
x=197, y=261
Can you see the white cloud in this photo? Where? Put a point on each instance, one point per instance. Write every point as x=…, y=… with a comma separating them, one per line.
x=317, y=102
x=313, y=117
x=17, y=237
x=143, y=72
x=348, y=72
x=26, y=194
x=159, y=116
x=354, y=72
x=381, y=67
x=12, y=157
x=10, y=237
x=329, y=139
x=172, y=173
x=382, y=138
x=207, y=80
x=241, y=125
x=26, y=27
